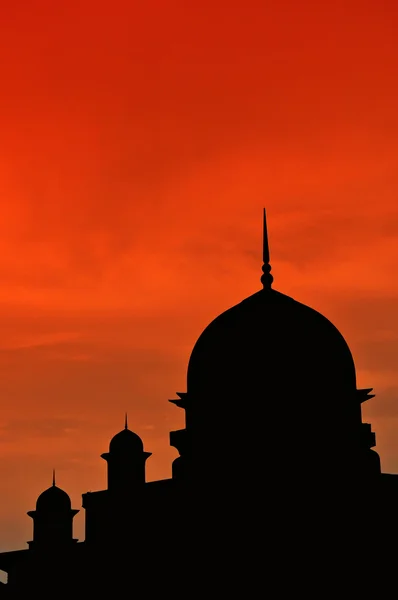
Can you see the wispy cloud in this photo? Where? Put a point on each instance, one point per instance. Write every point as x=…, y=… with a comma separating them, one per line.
x=21, y=341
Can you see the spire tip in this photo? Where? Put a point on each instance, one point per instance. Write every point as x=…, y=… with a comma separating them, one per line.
x=266, y=278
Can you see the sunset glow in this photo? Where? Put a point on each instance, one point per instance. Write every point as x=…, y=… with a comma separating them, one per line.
x=139, y=143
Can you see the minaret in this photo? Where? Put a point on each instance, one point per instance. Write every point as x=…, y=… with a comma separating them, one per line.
x=126, y=461
x=52, y=519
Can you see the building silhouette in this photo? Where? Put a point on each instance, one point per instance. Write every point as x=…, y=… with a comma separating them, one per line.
x=276, y=470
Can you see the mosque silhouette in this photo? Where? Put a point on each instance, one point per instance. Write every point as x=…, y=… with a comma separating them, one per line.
x=274, y=455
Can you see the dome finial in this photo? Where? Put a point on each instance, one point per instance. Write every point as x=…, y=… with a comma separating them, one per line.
x=126, y=426
x=53, y=477
x=266, y=278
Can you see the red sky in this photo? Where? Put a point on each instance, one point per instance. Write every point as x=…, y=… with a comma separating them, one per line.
x=139, y=143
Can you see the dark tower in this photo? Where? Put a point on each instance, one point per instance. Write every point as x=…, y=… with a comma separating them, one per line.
x=126, y=461
x=52, y=520
x=271, y=389
x=112, y=515
x=274, y=442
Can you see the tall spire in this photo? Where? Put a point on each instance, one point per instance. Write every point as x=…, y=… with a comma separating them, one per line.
x=53, y=477
x=126, y=425
x=266, y=278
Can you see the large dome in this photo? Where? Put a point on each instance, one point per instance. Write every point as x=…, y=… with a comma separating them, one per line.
x=271, y=338
x=271, y=377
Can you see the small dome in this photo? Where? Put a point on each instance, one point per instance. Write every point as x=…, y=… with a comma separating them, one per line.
x=53, y=500
x=126, y=441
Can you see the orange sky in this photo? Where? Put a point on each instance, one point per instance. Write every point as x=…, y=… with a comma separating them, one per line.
x=139, y=143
